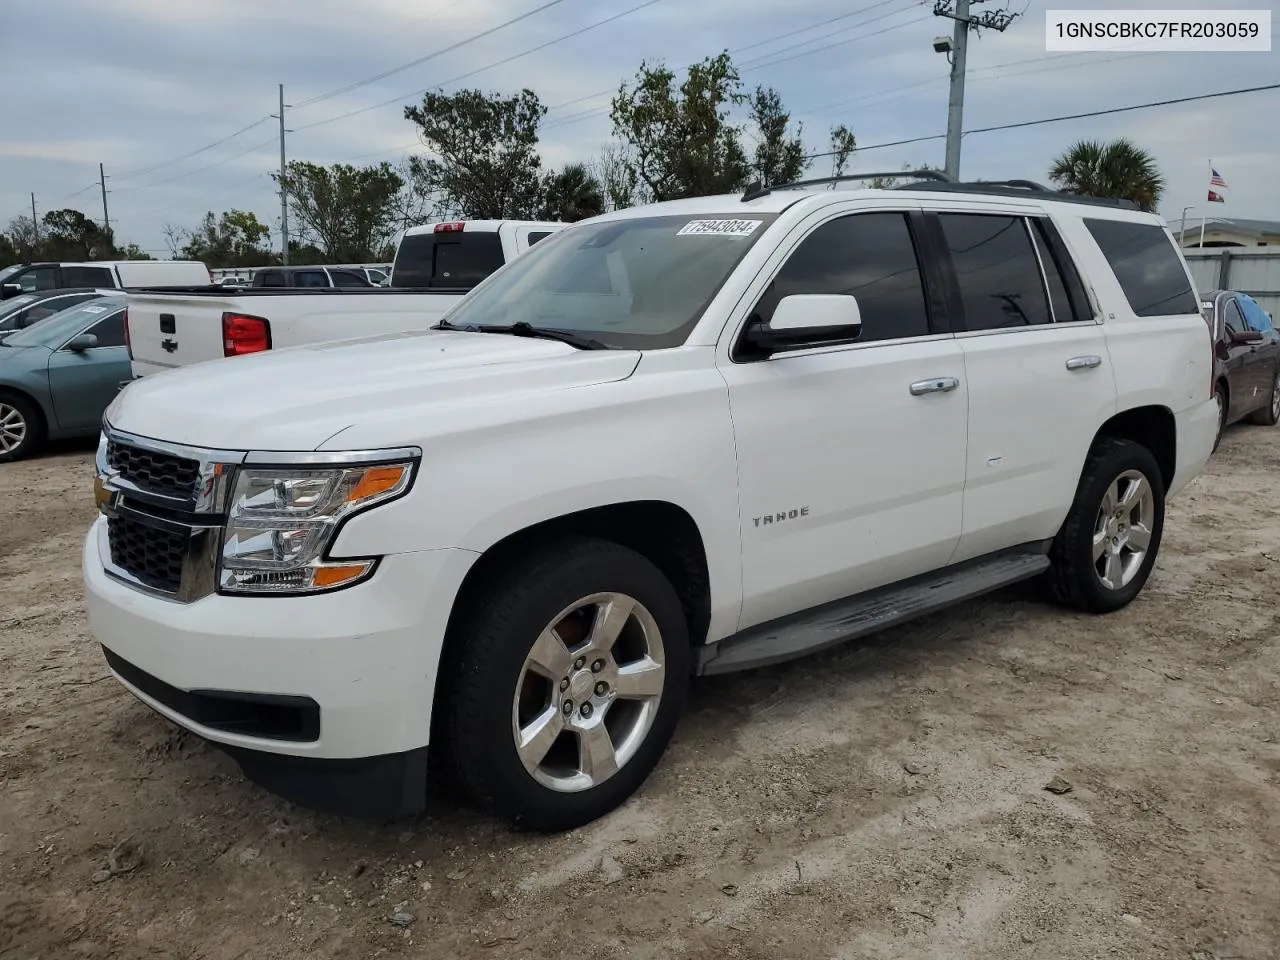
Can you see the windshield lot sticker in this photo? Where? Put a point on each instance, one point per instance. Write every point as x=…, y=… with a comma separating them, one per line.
x=721, y=228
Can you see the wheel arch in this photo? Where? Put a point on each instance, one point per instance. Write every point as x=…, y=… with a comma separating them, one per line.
x=662, y=531
x=1153, y=427
x=46, y=416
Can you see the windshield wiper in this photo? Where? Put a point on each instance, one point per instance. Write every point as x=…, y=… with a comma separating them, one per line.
x=524, y=329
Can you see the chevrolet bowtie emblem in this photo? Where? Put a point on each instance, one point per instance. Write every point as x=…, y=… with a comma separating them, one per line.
x=103, y=496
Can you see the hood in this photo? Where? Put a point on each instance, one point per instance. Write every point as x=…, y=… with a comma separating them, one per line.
x=296, y=399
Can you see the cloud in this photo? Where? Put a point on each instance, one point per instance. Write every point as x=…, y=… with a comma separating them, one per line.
x=138, y=84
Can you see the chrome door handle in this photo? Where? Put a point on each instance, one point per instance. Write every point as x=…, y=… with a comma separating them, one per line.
x=1084, y=363
x=936, y=385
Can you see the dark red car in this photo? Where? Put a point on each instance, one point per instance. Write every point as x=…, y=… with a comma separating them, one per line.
x=1247, y=348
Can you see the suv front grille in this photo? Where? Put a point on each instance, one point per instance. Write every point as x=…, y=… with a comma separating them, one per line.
x=152, y=556
x=162, y=473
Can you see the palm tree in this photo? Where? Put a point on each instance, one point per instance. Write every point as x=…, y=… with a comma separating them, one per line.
x=1118, y=169
x=572, y=194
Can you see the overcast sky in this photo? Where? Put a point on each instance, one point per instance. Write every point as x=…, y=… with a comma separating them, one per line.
x=139, y=84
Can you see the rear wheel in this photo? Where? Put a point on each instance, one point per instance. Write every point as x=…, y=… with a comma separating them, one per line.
x=1269, y=415
x=1105, y=551
x=21, y=427
x=568, y=678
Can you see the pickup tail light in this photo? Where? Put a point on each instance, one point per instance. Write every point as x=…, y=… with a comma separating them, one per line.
x=242, y=335
x=128, y=341
x=454, y=226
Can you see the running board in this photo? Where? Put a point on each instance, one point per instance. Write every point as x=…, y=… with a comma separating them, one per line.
x=854, y=617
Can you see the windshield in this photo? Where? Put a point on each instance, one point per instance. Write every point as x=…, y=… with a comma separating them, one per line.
x=8, y=272
x=640, y=282
x=55, y=330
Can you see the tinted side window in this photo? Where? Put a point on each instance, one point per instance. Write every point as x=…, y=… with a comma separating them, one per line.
x=869, y=255
x=37, y=278
x=997, y=271
x=446, y=259
x=310, y=278
x=109, y=331
x=269, y=278
x=1233, y=318
x=1066, y=289
x=1146, y=263
x=88, y=277
x=537, y=235
x=1255, y=316
x=344, y=278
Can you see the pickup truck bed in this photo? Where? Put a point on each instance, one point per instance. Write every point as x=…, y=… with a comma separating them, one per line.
x=175, y=328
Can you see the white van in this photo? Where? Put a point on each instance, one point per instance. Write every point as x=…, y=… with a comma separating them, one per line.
x=27, y=277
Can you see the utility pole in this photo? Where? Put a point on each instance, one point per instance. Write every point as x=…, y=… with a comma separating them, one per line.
x=998, y=20
x=102, y=181
x=284, y=196
x=35, y=221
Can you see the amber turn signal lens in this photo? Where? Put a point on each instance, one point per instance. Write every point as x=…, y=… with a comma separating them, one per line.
x=333, y=576
x=377, y=481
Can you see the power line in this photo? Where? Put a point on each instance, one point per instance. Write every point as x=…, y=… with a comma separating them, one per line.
x=487, y=66
x=754, y=63
x=815, y=26
x=209, y=166
x=186, y=156
x=430, y=56
x=1072, y=116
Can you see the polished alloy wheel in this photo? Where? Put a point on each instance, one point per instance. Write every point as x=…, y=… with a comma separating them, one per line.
x=588, y=693
x=1122, y=530
x=13, y=428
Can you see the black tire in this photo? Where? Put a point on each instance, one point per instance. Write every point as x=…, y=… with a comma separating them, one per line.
x=1220, y=394
x=488, y=648
x=1074, y=577
x=32, y=425
x=1269, y=415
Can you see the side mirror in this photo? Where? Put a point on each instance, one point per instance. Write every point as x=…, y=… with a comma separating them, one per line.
x=8, y=290
x=85, y=341
x=808, y=320
x=1245, y=336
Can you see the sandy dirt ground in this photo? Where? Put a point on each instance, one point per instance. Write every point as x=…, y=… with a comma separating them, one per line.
x=883, y=801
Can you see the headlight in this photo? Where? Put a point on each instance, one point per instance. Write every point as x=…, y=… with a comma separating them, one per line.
x=282, y=521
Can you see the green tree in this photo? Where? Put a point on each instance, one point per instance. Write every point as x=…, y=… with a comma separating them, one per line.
x=235, y=239
x=843, y=145
x=779, y=156
x=8, y=252
x=885, y=183
x=572, y=194
x=131, y=251
x=69, y=235
x=24, y=236
x=483, y=161
x=681, y=140
x=1119, y=169
x=348, y=212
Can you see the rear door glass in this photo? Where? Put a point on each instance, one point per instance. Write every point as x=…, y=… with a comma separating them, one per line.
x=458, y=260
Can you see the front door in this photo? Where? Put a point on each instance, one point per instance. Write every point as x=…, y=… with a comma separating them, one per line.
x=1039, y=374
x=84, y=382
x=850, y=458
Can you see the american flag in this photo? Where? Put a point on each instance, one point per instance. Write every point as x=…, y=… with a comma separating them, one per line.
x=1215, y=179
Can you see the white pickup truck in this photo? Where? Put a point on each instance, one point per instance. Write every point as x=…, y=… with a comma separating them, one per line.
x=435, y=266
x=681, y=439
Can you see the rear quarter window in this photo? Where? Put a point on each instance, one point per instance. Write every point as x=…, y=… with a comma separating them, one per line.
x=458, y=260
x=1147, y=265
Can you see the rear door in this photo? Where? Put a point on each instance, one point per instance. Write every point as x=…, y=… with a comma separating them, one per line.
x=1035, y=358
x=1249, y=365
x=83, y=382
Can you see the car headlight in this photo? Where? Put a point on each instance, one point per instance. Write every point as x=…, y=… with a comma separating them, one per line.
x=282, y=521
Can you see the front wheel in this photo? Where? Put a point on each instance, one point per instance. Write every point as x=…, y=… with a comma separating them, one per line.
x=1105, y=551
x=568, y=678
x=21, y=428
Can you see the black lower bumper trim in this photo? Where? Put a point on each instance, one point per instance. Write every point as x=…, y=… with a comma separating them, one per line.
x=389, y=786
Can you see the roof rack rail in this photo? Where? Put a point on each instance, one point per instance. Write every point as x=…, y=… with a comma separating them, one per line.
x=755, y=190
x=1020, y=188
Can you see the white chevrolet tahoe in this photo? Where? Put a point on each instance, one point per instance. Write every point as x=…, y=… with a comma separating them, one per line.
x=688, y=438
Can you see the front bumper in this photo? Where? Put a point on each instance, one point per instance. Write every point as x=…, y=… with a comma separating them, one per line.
x=301, y=689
